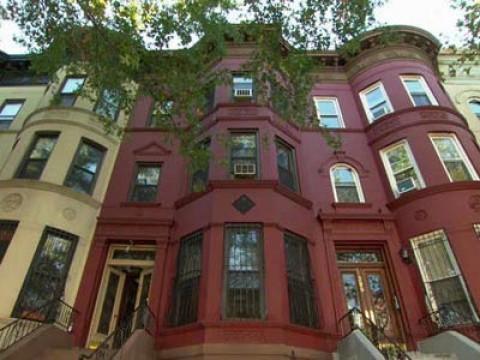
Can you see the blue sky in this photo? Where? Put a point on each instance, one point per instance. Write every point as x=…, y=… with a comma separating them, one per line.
x=435, y=16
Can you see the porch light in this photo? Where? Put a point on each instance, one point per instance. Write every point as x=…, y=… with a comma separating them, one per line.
x=405, y=255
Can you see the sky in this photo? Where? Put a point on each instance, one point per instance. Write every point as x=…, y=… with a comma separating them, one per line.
x=435, y=16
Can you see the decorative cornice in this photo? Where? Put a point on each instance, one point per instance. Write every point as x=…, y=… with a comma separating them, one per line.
x=411, y=196
x=46, y=186
x=152, y=149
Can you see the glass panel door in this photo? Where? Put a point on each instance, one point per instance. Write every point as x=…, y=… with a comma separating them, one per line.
x=48, y=271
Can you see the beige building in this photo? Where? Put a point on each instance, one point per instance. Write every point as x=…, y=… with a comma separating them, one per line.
x=55, y=164
x=462, y=83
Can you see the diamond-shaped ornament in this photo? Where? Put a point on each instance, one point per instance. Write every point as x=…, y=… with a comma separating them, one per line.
x=243, y=204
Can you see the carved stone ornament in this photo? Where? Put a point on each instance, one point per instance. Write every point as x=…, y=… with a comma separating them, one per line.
x=243, y=204
x=11, y=202
x=69, y=214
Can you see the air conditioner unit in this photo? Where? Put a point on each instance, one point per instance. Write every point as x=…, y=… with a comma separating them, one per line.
x=406, y=185
x=243, y=93
x=244, y=168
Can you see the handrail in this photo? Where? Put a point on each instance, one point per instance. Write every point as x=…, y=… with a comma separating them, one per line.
x=144, y=319
x=390, y=349
x=446, y=318
x=56, y=311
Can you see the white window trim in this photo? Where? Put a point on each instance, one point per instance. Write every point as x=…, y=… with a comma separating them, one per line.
x=388, y=169
x=425, y=87
x=341, y=123
x=431, y=303
x=366, y=107
x=460, y=150
x=356, y=180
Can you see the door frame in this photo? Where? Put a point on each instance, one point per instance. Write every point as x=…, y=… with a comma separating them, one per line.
x=111, y=263
x=384, y=264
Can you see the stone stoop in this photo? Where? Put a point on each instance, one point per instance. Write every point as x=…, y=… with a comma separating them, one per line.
x=5, y=321
x=416, y=355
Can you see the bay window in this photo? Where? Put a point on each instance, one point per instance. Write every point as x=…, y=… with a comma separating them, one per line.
x=375, y=102
x=38, y=155
x=418, y=91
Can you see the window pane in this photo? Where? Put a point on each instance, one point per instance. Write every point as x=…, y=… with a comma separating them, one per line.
x=345, y=186
x=347, y=194
x=475, y=107
x=72, y=85
x=148, y=175
x=330, y=122
x=414, y=86
x=458, y=171
x=244, y=145
x=447, y=149
x=375, y=97
x=108, y=104
x=350, y=287
x=43, y=147
x=359, y=257
x=34, y=164
x=286, y=166
x=452, y=159
x=326, y=107
x=108, y=303
x=10, y=109
x=399, y=159
x=80, y=180
x=89, y=157
x=421, y=100
x=144, y=193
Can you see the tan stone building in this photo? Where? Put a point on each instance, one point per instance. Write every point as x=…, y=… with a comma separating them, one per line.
x=462, y=83
x=55, y=164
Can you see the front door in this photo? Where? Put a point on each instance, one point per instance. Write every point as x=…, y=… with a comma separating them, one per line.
x=367, y=288
x=48, y=272
x=125, y=286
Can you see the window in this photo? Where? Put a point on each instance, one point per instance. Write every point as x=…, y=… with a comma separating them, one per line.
x=108, y=105
x=184, y=306
x=161, y=113
x=244, y=272
x=244, y=155
x=146, y=183
x=418, y=91
x=346, y=184
x=242, y=87
x=85, y=167
x=199, y=178
x=376, y=102
x=71, y=86
x=454, y=159
x=9, y=111
x=475, y=107
x=401, y=168
x=287, y=173
x=476, y=228
x=33, y=165
x=444, y=285
x=300, y=288
x=328, y=113
x=7, y=230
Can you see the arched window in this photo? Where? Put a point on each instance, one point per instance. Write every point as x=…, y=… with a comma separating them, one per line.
x=475, y=107
x=346, y=184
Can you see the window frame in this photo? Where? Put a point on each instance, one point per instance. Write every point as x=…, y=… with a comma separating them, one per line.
x=133, y=185
x=430, y=299
x=363, y=98
x=228, y=230
x=425, y=87
x=389, y=171
x=239, y=132
x=293, y=158
x=356, y=180
x=458, y=146
x=207, y=143
x=13, y=224
x=114, y=118
x=74, y=94
x=31, y=147
x=89, y=142
x=4, y=104
x=336, y=104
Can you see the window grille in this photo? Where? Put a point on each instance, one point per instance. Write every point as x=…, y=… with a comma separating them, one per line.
x=7, y=230
x=184, y=307
x=244, y=297
x=445, y=288
x=300, y=288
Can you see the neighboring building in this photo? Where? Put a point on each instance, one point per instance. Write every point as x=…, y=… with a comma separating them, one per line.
x=268, y=260
x=462, y=83
x=55, y=164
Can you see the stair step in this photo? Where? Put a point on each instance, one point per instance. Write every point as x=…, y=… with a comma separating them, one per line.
x=5, y=321
x=423, y=356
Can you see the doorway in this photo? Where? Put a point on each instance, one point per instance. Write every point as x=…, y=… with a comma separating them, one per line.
x=367, y=287
x=125, y=287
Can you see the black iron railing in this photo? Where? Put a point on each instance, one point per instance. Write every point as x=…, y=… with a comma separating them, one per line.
x=141, y=318
x=356, y=319
x=449, y=318
x=54, y=312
